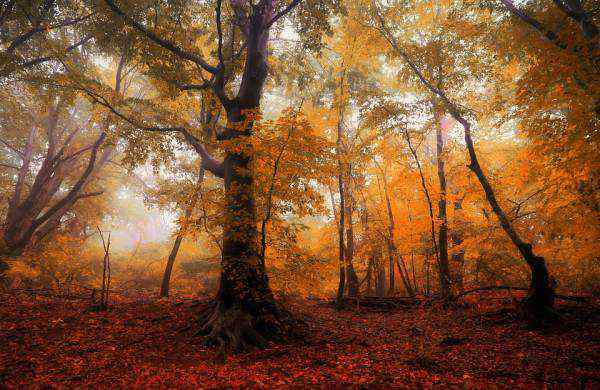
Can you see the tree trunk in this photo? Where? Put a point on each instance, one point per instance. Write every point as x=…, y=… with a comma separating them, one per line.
x=164, y=288
x=369, y=276
x=541, y=291
x=392, y=273
x=342, y=269
x=426, y=268
x=341, y=225
x=458, y=257
x=429, y=208
x=245, y=313
x=443, y=267
x=380, y=287
x=392, y=251
x=351, y=277
x=404, y=274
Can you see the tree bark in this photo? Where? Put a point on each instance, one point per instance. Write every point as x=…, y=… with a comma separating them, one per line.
x=380, y=287
x=541, y=293
x=34, y=213
x=369, y=276
x=245, y=313
x=458, y=256
x=341, y=258
x=429, y=205
x=342, y=224
x=351, y=277
x=443, y=266
x=209, y=120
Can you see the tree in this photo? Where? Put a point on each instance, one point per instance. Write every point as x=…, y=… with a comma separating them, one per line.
x=41, y=198
x=244, y=313
x=541, y=295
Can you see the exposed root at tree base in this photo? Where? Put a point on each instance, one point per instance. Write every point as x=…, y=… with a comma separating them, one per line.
x=538, y=313
x=236, y=329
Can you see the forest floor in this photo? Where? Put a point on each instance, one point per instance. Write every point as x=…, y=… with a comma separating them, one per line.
x=49, y=342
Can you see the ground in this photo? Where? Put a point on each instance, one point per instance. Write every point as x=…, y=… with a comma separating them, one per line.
x=140, y=343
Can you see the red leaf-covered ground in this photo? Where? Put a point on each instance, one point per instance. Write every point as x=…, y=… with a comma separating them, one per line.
x=58, y=343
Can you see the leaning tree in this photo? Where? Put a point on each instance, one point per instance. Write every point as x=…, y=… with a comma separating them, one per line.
x=540, y=299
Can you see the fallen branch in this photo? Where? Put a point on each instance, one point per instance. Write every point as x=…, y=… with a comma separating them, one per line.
x=495, y=288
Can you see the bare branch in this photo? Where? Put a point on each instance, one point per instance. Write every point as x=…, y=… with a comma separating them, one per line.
x=16, y=198
x=21, y=39
x=191, y=86
x=89, y=194
x=40, y=60
x=208, y=161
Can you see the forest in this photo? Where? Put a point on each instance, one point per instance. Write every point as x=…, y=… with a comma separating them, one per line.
x=300, y=194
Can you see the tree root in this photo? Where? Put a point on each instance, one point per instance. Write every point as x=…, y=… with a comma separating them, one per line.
x=538, y=316
x=236, y=329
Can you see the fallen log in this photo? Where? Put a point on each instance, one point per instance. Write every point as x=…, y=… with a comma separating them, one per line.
x=496, y=288
x=377, y=303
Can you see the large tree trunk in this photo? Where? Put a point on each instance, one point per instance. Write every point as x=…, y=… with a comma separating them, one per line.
x=341, y=225
x=341, y=258
x=443, y=267
x=245, y=313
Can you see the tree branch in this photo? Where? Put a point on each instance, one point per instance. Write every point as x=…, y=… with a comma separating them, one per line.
x=219, y=33
x=170, y=46
x=21, y=39
x=548, y=34
x=74, y=193
x=191, y=86
x=209, y=162
x=282, y=13
x=12, y=148
x=40, y=60
x=89, y=195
